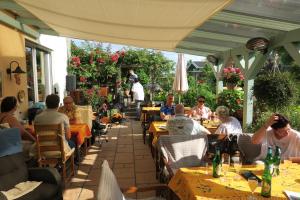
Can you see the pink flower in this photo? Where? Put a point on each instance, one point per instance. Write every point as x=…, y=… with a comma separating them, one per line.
x=231, y=69
x=225, y=70
x=242, y=77
x=237, y=70
x=114, y=57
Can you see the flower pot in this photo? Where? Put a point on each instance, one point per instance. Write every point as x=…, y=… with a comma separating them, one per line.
x=231, y=86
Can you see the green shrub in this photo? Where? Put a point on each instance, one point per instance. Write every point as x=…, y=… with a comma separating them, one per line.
x=274, y=91
x=233, y=99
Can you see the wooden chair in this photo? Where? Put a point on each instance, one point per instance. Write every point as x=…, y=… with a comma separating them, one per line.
x=53, y=149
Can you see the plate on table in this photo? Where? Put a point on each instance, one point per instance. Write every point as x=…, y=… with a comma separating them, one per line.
x=163, y=127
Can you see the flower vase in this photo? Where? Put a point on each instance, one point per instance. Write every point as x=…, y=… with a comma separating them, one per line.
x=231, y=86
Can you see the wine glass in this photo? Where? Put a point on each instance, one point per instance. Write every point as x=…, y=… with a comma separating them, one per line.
x=237, y=165
x=253, y=183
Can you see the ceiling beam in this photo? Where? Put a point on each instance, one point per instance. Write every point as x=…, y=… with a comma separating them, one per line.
x=48, y=32
x=11, y=5
x=219, y=36
x=18, y=25
x=192, y=52
x=261, y=22
x=202, y=46
x=31, y=21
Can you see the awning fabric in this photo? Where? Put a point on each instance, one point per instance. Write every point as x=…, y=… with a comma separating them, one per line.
x=157, y=24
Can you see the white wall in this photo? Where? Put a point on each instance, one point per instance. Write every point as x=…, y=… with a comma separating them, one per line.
x=59, y=60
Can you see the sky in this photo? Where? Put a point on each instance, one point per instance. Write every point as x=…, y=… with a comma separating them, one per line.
x=170, y=55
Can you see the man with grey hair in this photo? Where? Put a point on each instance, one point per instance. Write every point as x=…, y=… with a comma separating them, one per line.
x=182, y=125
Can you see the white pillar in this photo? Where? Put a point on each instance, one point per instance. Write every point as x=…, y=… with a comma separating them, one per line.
x=248, y=102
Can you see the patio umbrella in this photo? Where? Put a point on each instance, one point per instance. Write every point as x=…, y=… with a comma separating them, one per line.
x=180, y=83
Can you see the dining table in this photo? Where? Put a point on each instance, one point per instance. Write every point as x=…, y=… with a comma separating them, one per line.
x=78, y=131
x=198, y=183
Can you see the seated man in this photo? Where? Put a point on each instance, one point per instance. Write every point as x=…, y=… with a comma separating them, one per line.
x=229, y=125
x=70, y=110
x=167, y=111
x=52, y=116
x=278, y=132
x=200, y=111
x=184, y=125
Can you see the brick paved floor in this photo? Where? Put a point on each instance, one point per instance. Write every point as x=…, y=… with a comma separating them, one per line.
x=129, y=158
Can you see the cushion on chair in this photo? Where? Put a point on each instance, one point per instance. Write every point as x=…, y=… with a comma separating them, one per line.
x=44, y=191
x=183, y=150
x=248, y=150
x=13, y=170
x=108, y=185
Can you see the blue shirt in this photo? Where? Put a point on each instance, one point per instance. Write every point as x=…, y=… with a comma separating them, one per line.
x=168, y=110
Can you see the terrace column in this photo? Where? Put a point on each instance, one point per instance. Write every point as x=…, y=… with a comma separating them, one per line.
x=248, y=102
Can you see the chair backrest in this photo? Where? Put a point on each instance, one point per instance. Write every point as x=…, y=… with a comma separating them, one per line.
x=50, y=143
x=248, y=150
x=108, y=185
x=183, y=150
x=10, y=141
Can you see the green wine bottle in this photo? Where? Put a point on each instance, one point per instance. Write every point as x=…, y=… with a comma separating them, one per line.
x=267, y=175
x=217, y=167
x=276, y=161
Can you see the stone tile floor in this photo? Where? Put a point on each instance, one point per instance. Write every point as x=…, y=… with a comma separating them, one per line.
x=127, y=155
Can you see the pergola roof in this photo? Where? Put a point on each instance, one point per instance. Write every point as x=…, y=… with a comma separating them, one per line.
x=189, y=26
x=199, y=27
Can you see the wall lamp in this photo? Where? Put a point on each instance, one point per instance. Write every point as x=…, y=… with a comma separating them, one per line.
x=18, y=69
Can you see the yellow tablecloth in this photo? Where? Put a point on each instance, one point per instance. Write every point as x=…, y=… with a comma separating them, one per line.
x=194, y=183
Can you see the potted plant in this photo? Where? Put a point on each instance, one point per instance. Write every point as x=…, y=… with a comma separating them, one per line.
x=274, y=90
x=125, y=86
x=233, y=99
x=232, y=77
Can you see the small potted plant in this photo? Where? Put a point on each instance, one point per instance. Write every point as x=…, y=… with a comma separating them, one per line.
x=126, y=87
x=232, y=77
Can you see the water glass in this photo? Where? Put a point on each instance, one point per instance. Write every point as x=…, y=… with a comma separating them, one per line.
x=253, y=183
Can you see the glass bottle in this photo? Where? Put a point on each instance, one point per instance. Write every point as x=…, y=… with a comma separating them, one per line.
x=267, y=175
x=217, y=164
x=276, y=161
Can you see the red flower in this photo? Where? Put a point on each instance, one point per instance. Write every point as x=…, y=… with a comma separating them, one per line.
x=100, y=60
x=90, y=91
x=237, y=70
x=238, y=101
x=122, y=53
x=231, y=69
x=82, y=79
x=114, y=57
x=76, y=60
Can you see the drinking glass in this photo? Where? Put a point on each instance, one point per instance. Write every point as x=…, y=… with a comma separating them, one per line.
x=253, y=183
x=206, y=168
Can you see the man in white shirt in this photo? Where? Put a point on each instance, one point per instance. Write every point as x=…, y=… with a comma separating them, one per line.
x=278, y=132
x=138, y=95
x=182, y=125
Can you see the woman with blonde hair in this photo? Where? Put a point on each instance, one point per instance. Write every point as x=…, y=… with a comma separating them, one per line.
x=229, y=125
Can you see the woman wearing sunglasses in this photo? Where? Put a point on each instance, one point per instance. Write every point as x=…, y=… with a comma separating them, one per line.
x=200, y=111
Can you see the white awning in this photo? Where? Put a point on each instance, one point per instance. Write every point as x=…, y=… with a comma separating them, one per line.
x=157, y=24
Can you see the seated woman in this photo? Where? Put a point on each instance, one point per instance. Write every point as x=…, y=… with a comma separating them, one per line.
x=200, y=111
x=70, y=110
x=8, y=108
x=229, y=125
